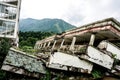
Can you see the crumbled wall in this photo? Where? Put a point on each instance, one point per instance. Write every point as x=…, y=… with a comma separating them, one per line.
x=26, y=62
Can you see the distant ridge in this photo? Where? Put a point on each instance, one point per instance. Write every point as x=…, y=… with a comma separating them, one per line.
x=45, y=25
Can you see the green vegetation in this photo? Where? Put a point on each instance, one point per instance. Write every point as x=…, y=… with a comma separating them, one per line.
x=96, y=74
x=116, y=62
x=47, y=76
x=27, y=40
x=83, y=49
x=4, y=47
x=2, y=75
x=114, y=55
x=28, y=49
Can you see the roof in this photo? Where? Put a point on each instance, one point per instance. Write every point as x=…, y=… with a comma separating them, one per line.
x=103, y=28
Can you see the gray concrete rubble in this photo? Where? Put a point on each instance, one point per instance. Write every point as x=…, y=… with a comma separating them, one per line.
x=21, y=63
x=68, y=62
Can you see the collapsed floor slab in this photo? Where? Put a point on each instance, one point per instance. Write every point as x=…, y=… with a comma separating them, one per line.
x=21, y=63
x=67, y=62
x=96, y=56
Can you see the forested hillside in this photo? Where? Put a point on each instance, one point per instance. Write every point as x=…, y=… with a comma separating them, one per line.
x=44, y=25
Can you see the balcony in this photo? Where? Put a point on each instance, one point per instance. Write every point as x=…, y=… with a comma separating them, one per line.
x=13, y=2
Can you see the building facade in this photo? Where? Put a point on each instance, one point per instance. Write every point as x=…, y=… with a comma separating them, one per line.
x=9, y=18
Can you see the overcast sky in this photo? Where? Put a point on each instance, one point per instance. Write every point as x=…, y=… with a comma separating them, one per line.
x=76, y=12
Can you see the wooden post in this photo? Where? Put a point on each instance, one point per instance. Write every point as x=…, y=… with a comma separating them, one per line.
x=92, y=39
x=72, y=44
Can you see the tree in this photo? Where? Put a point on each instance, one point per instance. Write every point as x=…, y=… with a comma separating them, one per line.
x=30, y=38
x=4, y=47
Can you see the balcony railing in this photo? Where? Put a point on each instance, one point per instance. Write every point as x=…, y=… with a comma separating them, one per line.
x=8, y=0
x=13, y=2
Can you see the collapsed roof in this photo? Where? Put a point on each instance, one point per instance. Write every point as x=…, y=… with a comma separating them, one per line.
x=101, y=29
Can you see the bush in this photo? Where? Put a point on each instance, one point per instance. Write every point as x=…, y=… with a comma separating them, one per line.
x=28, y=49
x=4, y=46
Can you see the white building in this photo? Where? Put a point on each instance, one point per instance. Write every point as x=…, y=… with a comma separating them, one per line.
x=9, y=18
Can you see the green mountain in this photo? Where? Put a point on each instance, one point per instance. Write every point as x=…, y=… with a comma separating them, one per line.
x=46, y=25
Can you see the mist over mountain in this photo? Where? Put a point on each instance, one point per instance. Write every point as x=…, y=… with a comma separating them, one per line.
x=45, y=25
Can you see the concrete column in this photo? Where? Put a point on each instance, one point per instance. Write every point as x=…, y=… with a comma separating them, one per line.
x=72, y=44
x=44, y=45
x=54, y=44
x=92, y=39
x=48, y=44
x=62, y=43
x=17, y=41
x=17, y=22
x=41, y=45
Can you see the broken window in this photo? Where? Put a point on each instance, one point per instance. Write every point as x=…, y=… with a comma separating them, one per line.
x=7, y=28
x=7, y=12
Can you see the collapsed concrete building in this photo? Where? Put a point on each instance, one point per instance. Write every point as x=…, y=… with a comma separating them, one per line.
x=77, y=50
x=9, y=19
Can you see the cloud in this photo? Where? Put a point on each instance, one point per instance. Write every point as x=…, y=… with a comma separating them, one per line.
x=76, y=12
x=101, y=9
